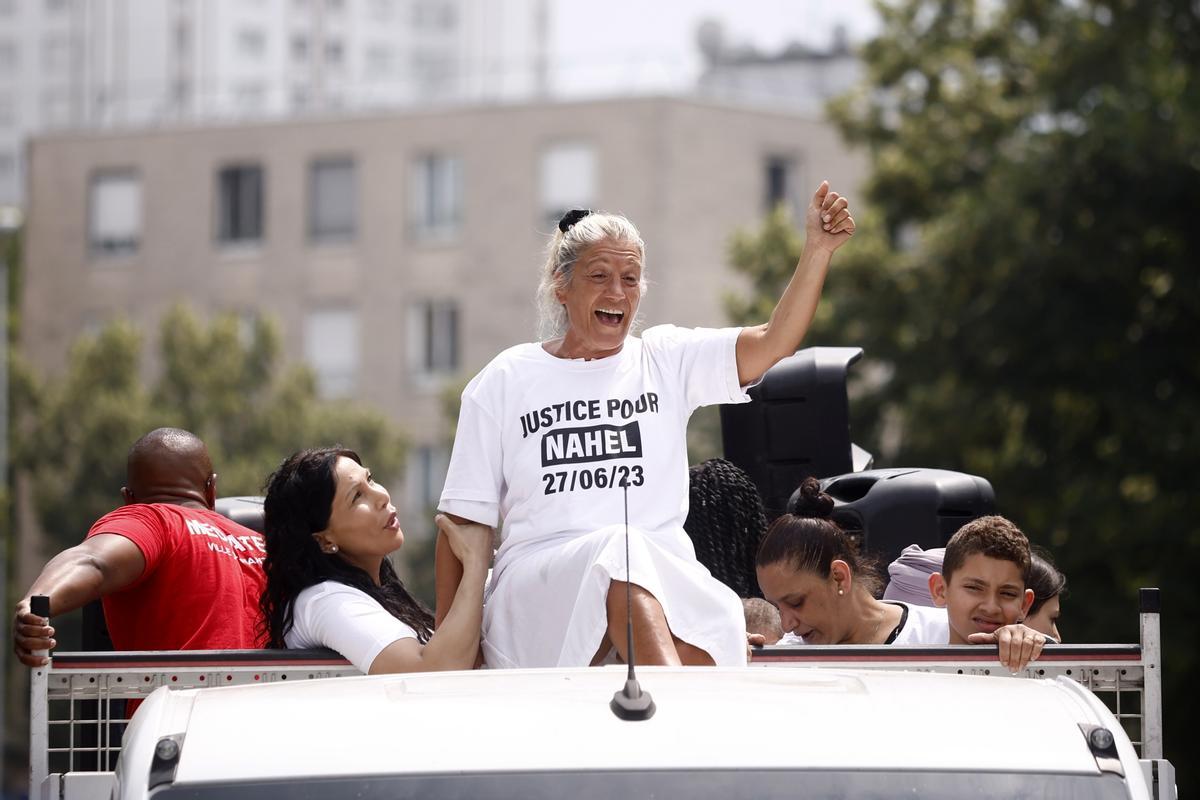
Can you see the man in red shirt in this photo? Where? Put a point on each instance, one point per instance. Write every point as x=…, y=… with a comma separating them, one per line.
x=172, y=573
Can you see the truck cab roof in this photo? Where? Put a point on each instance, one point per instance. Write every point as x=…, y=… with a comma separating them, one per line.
x=541, y=732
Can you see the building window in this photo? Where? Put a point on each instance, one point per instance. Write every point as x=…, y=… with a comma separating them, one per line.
x=115, y=214
x=8, y=167
x=381, y=61
x=427, y=467
x=335, y=53
x=567, y=179
x=433, y=73
x=8, y=109
x=252, y=43
x=56, y=107
x=240, y=204
x=331, y=347
x=435, y=192
x=434, y=15
x=56, y=53
x=300, y=48
x=301, y=98
x=250, y=97
x=781, y=180
x=181, y=92
x=332, y=200
x=183, y=39
x=433, y=337
x=8, y=55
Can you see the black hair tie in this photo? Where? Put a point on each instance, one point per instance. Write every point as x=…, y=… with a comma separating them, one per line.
x=571, y=217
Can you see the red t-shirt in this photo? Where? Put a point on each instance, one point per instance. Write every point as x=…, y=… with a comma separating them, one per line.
x=201, y=586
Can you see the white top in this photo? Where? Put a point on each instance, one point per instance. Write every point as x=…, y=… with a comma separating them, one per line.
x=348, y=620
x=923, y=625
x=542, y=446
x=919, y=625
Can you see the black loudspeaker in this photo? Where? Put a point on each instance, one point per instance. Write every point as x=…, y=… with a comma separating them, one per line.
x=888, y=509
x=797, y=425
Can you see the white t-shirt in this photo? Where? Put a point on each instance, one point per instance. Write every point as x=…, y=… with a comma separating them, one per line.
x=348, y=620
x=926, y=625
x=923, y=625
x=542, y=446
x=542, y=440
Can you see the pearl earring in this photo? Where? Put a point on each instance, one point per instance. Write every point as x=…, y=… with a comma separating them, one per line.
x=841, y=592
x=333, y=548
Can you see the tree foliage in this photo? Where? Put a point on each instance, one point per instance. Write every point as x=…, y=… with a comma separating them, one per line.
x=1027, y=270
x=226, y=386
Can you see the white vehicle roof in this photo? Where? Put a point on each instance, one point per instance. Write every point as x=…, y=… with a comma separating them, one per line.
x=540, y=720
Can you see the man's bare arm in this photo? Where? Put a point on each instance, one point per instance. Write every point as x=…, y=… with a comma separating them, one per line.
x=97, y=566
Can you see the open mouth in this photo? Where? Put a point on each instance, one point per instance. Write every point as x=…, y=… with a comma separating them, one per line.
x=392, y=521
x=610, y=317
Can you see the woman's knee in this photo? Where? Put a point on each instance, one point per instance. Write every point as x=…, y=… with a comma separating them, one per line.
x=648, y=616
x=693, y=656
x=633, y=599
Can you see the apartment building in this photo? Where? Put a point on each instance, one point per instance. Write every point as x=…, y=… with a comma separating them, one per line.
x=797, y=78
x=399, y=252
x=88, y=64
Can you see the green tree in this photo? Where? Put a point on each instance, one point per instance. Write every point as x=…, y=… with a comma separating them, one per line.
x=1026, y=272
x=72, y=432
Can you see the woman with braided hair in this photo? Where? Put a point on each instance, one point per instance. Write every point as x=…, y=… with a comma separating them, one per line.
x=725, y=522
x=555, y=437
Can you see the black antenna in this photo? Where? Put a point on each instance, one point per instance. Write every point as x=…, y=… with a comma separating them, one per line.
x=631, y=703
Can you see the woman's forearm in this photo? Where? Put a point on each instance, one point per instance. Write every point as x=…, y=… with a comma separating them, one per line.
x=455, y=643
x=761, y=347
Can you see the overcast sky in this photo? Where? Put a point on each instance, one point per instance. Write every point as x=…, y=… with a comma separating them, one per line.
x=643, y=45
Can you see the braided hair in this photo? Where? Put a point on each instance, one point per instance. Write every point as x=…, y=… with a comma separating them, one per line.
x=299, y=497
x=725, y=521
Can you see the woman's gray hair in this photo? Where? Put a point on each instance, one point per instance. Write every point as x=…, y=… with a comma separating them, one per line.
x=564, y=250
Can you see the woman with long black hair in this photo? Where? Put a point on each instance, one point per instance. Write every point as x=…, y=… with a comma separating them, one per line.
x=329, y=530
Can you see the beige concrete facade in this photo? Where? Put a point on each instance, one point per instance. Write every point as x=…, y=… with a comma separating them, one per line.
x=686, y=172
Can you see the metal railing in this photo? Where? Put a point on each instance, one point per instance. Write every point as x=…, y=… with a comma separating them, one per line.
x=81, y=701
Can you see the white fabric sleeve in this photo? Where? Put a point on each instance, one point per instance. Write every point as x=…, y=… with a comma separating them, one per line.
x=705, y=362
x=345, y=619
x=474, y=480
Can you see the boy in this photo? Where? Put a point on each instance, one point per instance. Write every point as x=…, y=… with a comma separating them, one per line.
x=982, y=587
